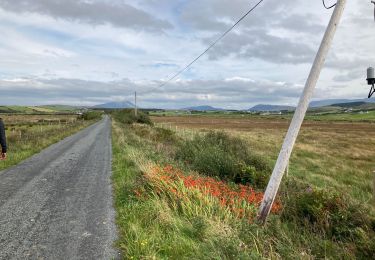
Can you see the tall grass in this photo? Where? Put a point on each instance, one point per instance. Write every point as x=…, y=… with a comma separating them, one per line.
x=191, y=193
x=335, y=215
x=28, y=136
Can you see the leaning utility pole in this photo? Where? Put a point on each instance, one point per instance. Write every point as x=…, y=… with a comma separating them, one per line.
x=299, y=114
x=135, y=104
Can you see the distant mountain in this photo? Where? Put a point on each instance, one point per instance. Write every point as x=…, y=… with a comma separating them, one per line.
x=343, y=103
x=350, y=104
x=203, y=108
x=271, y=108
x=330, y=102
x=116, y=105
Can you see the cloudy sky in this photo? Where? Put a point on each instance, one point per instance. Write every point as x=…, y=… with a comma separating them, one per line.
x=86, y=52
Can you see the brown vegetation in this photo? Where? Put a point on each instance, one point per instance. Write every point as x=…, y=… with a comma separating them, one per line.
x=246, y=123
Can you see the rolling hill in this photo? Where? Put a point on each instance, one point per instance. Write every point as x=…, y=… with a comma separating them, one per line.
x=203, y=108
x=38, y=109
x=116, y=105
x=271, y=108
x=330, y=102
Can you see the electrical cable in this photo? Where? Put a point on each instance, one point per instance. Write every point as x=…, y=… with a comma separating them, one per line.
x=209, y=48
x=328, y=7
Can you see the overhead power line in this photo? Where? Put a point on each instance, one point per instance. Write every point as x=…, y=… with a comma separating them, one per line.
x=210, y=46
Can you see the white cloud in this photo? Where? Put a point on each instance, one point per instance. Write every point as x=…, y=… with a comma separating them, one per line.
x=117, y=13
x=101, y=50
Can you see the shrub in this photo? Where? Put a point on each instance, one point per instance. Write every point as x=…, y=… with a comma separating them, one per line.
x=127, y=116
x=329, y=212
x=218, y=154
x=92, y=115
x=251, y=175
x=164, y=135
x=155, y=134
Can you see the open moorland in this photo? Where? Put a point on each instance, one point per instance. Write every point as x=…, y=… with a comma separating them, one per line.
x=247, y=123
x=190, y=186
x=29, y=134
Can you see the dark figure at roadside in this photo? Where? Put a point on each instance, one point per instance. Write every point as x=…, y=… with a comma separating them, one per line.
x=3, y=141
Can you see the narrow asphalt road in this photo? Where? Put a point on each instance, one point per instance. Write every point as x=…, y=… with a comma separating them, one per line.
x=58, y=203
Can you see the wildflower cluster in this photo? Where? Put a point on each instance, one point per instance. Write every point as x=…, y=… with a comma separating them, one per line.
x=241, y=200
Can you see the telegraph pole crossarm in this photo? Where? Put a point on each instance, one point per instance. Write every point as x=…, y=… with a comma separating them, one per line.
x=299, y=115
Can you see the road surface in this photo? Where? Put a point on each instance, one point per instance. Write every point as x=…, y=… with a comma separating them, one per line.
x=58, y=204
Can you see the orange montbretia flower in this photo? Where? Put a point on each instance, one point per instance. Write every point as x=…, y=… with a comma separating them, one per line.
x=232, y=198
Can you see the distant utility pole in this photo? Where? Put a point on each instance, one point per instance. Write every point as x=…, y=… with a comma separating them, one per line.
x=135, y=104
x=299, y=115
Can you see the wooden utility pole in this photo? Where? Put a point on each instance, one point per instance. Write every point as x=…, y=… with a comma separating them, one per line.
x=299, y=115
x=287, y=170
x=135, y=104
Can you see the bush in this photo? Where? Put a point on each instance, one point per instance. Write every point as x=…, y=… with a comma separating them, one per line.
x=127, y=116
x=329, y=212
x=164, y=135
x=92, y=115
x=155, y=134
x=218, y=154
x=251, y=175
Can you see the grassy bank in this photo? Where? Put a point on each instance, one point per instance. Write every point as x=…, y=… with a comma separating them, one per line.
x=28, y=135
x=338, y=155
x=175, y=200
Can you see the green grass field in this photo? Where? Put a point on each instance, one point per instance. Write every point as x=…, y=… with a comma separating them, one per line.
x=353, y=116
x=317, y=115
x=46, y=109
